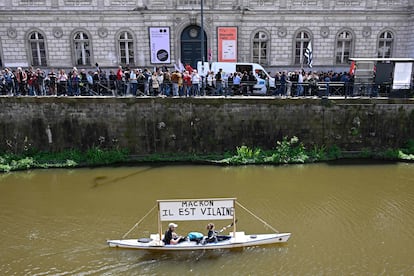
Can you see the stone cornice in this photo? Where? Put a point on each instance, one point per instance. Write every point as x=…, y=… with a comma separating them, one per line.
x=353, y=13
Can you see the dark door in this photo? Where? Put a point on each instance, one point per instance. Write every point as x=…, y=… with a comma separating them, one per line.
x=191, y=45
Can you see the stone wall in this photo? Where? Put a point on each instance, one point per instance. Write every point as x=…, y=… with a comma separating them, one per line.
x=201, y=125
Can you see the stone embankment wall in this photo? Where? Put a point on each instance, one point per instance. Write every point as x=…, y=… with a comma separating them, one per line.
x=201, y=125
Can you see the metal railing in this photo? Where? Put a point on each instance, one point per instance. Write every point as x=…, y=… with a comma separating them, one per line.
x=340, y=89
x=289, y=89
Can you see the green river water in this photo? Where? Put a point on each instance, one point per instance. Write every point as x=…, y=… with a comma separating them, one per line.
x=344, y=219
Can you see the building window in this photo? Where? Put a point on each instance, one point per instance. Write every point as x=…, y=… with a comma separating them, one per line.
x=78, y=2
x=343, y=47
x=385, y=44
x=123, y=3
x=37, y=49
x=32, y=2
x=260, y=42
x=126, y=48
x=81, y=46
x=188, y=2
x=302, y=40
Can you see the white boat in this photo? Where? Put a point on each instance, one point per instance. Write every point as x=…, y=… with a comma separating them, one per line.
x=200, y=209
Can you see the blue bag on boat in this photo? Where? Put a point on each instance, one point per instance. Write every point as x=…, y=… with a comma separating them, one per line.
x=194, y=236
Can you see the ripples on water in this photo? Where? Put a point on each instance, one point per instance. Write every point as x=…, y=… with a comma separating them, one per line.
x=345, y=220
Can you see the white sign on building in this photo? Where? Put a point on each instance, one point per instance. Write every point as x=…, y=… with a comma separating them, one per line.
x=160, y=45
x=402, y=75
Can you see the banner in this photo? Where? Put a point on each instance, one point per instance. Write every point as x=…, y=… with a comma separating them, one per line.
x=402, y=75
x=309, y=54
x=227, y=44
x=159, y=45
x=198, y=209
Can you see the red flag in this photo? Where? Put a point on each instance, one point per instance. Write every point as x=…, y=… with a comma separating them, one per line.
x=352, y=69
x=189, y=68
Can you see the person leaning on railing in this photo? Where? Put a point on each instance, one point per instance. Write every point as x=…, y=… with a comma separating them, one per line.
x=62, y=82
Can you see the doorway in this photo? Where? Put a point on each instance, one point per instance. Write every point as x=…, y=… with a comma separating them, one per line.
x=191, y=45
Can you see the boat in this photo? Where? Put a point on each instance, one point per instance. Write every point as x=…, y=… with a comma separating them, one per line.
x=195, y=210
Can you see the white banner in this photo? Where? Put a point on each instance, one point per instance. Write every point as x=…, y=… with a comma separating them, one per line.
x=402, y=75
x=160, y=44
x=196, y=209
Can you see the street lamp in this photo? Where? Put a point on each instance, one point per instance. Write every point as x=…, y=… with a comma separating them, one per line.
x=202, y=44
x=202, y=30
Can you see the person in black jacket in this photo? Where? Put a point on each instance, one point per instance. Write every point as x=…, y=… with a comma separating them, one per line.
x=212, y=233
x=252, y=82
x=170, y=237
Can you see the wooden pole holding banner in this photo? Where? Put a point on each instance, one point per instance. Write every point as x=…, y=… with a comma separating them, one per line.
x=159, y=221
x=234, y=218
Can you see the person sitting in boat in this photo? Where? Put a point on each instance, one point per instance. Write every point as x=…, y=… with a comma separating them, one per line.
x=212, y=233
x=170, y=237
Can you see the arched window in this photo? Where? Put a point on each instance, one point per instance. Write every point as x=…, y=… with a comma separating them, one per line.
x=302, y=40
x=385, y=44
x=126, y=48
x=81, y=47
x=37, y=49
x=260, y=42
x=343, y=50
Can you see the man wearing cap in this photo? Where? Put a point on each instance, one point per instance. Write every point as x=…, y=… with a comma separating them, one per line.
x=170, y=237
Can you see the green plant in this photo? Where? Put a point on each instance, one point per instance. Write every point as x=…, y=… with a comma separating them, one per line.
x=366, y=153
x=24, y=163
x=334, y=152
x=354, y=131
x=317, y=153
x=246, y=155
x=409, y=147
x=288, y=151
x=97, y=156
x=389, y=153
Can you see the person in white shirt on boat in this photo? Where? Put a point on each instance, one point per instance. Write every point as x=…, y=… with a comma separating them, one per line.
x=170, y=237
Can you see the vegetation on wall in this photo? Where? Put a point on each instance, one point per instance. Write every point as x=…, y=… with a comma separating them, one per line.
x=287, y=151
x=69, y=158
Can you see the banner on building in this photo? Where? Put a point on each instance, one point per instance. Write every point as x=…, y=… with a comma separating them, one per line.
x=402, y=75
x=227, y=44
x=159, y=38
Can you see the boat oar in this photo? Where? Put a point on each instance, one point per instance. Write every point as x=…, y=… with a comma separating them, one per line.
x=225, y=227
x=214, y=237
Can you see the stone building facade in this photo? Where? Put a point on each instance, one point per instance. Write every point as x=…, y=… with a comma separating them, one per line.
x=274, y=33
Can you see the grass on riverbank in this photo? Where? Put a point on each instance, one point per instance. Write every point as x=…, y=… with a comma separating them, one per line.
x=287, y=151
x=290, y=151
x=65, y=159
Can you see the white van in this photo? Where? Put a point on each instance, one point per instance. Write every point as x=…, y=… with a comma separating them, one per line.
x=264, y=80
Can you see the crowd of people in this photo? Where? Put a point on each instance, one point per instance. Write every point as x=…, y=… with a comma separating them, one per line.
x=126, y=81
x=301, y=83
x=121, y=82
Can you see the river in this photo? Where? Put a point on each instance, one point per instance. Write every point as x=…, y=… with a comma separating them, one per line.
x=344, y=219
